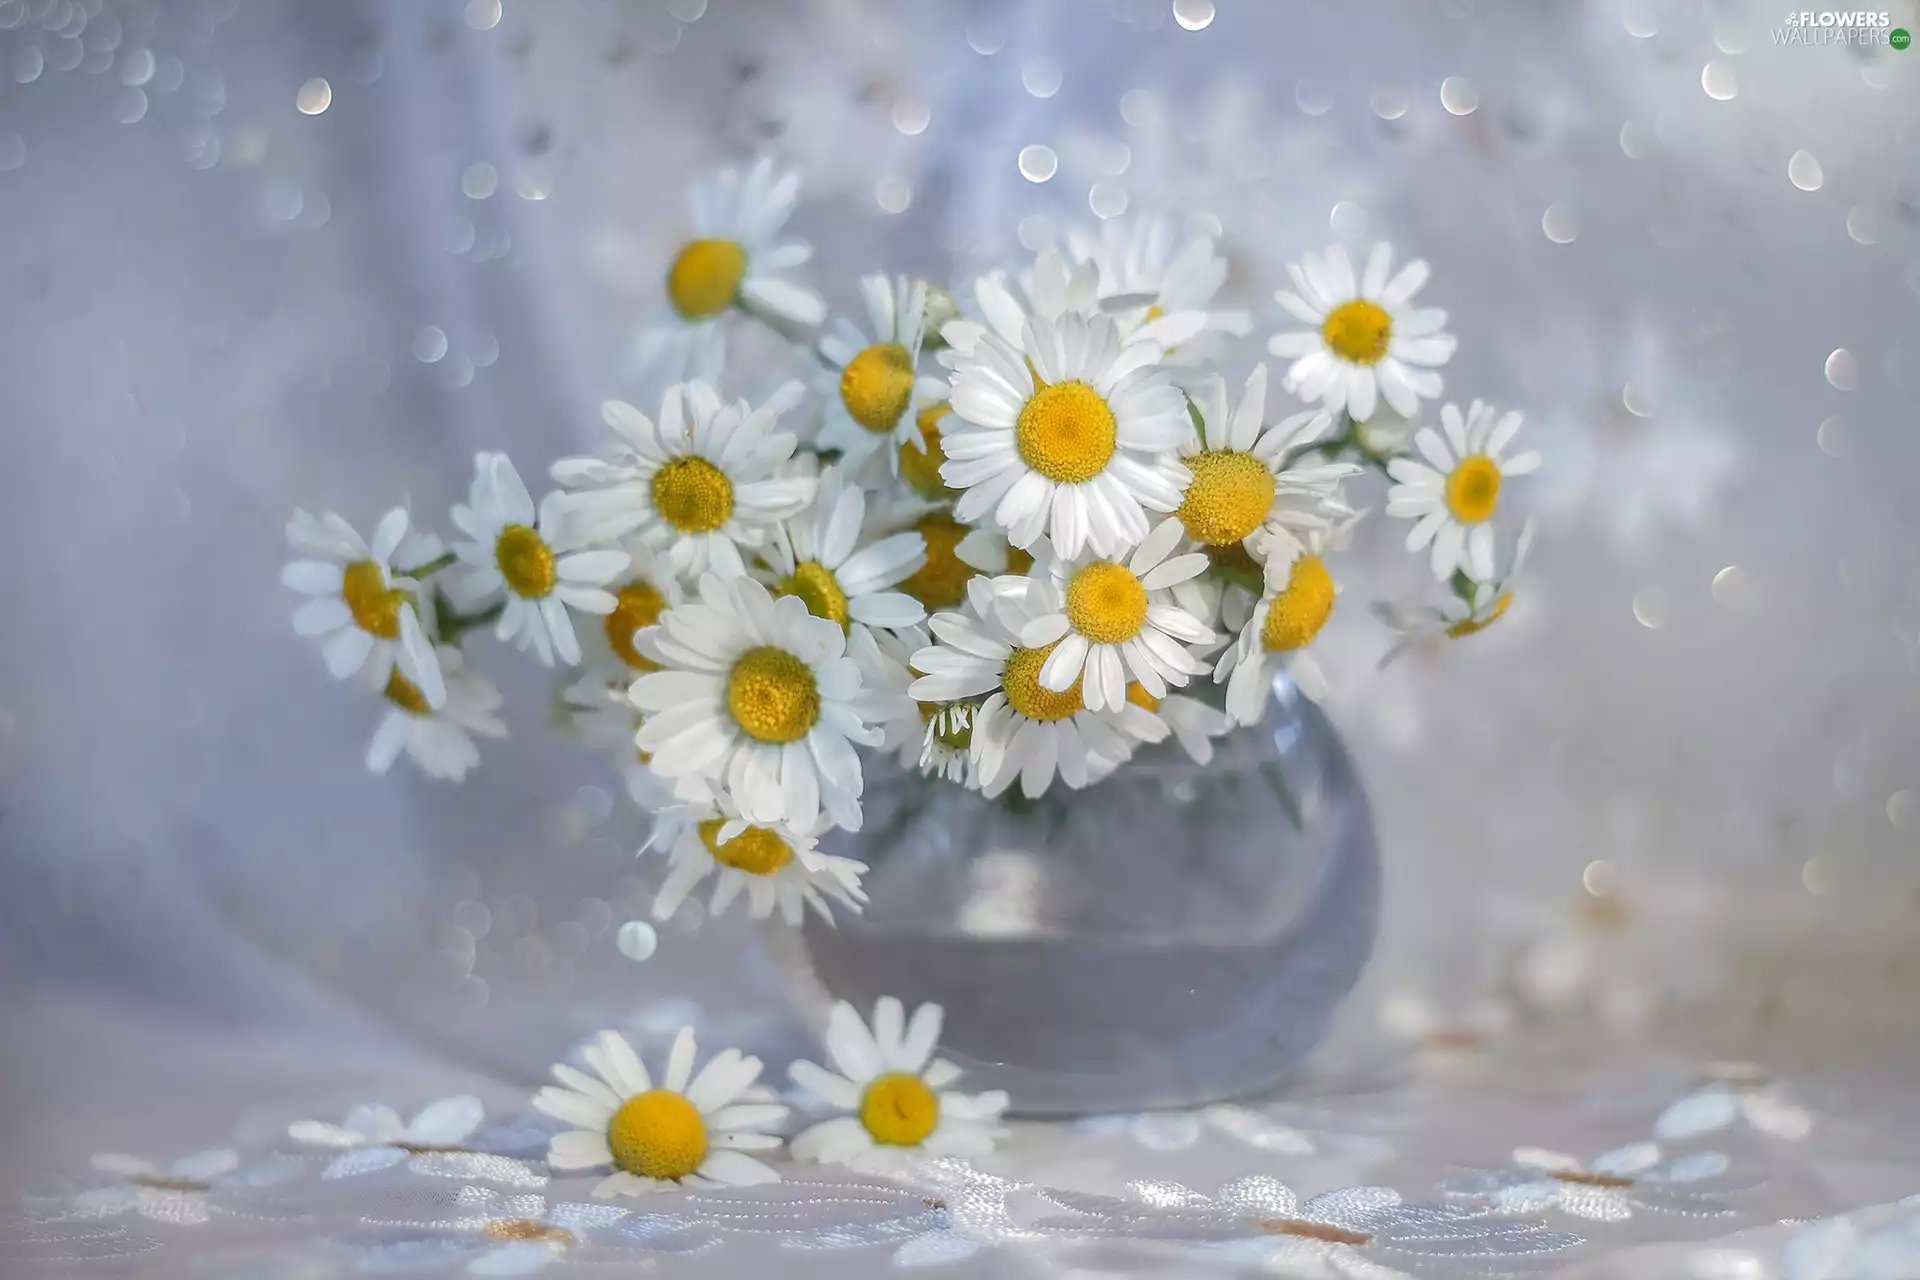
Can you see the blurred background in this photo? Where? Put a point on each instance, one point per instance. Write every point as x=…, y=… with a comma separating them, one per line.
x=263, y=253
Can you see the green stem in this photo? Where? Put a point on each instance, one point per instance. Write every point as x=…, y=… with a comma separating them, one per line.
x=432, y=566
x=453, y=624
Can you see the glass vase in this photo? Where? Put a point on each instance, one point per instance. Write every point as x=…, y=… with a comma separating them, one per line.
x=1176, y=934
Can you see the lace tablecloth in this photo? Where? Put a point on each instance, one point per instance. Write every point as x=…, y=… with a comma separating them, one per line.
x=274, y=253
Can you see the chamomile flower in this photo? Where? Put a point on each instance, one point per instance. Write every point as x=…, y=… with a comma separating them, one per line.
x=1459, y=616
x=899, y=1108
x=1248, y=485
x=1021, y=729
x=1368, y=341
x=946, y=743
x=1193, y=723
x=1295, y=602
x=1168, y=281
x=360, y=613
x=1059, y=436
x=760, y=695
x=1052, y=289
x=734, y=261
x=533, y=558
x=1117, y=621
x=813, y=557
x=875, y=384
x=1454, y=493
x=709, y=479
x=440, y=741
x=646, y=589
x=688, y=1130
x=776, y=865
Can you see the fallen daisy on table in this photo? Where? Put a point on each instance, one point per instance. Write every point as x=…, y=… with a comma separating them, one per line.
x=690, y=1129
x=899, y=1108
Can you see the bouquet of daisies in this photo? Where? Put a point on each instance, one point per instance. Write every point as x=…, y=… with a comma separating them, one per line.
x=1001, y=539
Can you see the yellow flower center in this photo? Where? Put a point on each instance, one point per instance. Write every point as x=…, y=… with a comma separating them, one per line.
x=756, y=851
x=1358, y=331
x=1230, y=495
x=899, y=1110
x=772, y=695
x=877, y=384
x=527, y=1229
x=814, y=584
x=705, y=277
x=636, y=605
x=160, y=1182
x=657, y=1134
x=1153, y=313
x=1065, y=432
x=940, y=583
x=1473, y=488
x=1020, y=678
x=1106, y=603
x=1139, y=697
x=375, y=605
x=1468, y=626
x=405, y=694
x=920, y=468
x=693, y=495
x=525, y=561
x=1298, y=612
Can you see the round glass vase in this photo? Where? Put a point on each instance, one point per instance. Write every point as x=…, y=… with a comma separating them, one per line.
x=1173, y=935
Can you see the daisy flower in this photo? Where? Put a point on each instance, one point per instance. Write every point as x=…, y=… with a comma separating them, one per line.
x=1052, y=289
x=532, y=558
x=1116, y=621
x=1192, y=722
x=1368, y=341
x=375, y=1137
x=1168, y=281
x=775, y=864
x=440, y=742
x=646, y=589
x=689, y=1130
x=705, y=482
x=761, y=695
x=1021, y=729
x=359, y=612
x=813, y=558
x=1454, y=498
x=1459, y=615
x=870, y=401
x=179, y=1194
x=1246, y=487
x=735, y=261
x=1608, y=1190
x=899, y=1109
x=1059, y=436
x=1295, y=602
